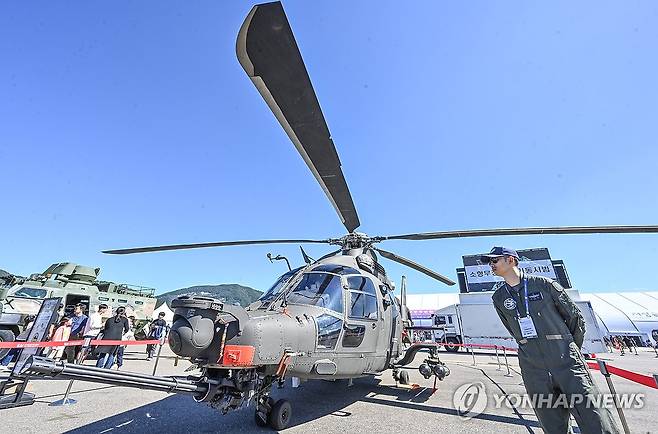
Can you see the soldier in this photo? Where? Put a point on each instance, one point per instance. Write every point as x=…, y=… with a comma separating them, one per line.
x=549, y=329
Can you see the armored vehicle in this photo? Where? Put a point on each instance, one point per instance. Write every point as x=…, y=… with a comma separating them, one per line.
x=21, y=297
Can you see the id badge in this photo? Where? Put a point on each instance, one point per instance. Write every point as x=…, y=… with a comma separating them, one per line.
x=527, y=327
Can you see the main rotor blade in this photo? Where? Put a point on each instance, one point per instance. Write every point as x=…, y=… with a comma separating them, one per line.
x=557, y=230
x=415, y=266
x=202, y=245
x=267, y=51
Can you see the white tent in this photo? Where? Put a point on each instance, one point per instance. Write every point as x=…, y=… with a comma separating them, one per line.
x=626, y=313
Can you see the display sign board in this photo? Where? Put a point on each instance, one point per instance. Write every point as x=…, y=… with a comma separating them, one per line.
x=39, y=331
x=479, y=278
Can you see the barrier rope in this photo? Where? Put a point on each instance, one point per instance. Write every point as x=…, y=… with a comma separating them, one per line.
x=22, y=344
x=645, y=380
x=629, y=375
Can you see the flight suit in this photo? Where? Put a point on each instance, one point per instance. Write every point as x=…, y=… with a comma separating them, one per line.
x=552, y=362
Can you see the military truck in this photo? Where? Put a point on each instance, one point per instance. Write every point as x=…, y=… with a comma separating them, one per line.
x=21, y=297
x=451, y=334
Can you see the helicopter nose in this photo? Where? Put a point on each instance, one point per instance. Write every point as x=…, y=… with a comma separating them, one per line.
x=199, y=325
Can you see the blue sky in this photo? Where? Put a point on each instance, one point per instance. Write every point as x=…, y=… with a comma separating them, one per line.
x=125, y=124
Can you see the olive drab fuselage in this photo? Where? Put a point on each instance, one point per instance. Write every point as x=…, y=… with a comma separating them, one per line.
x=331, y=319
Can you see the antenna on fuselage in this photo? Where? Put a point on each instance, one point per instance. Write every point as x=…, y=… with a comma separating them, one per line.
x=307, y=258
x=406, y=317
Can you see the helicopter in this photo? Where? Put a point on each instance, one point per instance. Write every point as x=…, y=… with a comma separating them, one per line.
x=333, y=318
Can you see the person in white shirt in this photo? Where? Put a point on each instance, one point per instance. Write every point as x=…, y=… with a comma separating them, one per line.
x=96, y=321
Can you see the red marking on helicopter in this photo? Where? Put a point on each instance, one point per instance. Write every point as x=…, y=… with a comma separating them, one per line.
x=238, y=355
x=283, y=365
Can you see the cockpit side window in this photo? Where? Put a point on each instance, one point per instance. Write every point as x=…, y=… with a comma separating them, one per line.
x=329, y=328
x=363, y=299
x=318, y=289
x=359, y=283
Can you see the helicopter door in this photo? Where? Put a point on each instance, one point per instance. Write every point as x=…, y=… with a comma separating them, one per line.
x=362, y=327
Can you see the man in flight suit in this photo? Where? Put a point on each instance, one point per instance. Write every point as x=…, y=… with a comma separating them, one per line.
x=549, y=329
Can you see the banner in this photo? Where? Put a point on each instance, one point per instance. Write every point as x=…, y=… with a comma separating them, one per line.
x=533, y=262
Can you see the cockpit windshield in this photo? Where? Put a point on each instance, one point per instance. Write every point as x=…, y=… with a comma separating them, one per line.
x=318, y=289
x=275, y=289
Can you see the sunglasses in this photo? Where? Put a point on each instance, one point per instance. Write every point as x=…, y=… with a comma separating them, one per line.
x=494, y=260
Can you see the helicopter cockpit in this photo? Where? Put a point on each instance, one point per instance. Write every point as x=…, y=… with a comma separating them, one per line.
x=323, y=286
x=317, y=288
x=271, y=294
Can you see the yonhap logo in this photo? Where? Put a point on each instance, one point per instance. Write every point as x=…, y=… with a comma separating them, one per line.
x=470, y=399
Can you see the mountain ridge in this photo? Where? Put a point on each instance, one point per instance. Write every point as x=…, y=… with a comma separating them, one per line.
x=232, y=293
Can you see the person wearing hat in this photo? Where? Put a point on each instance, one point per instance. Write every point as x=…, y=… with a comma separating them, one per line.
x=549, y=329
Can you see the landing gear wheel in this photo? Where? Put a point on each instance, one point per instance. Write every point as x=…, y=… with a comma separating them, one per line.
x=404, y=377
x=279, y=417
x=262, y=413
x=451, y=347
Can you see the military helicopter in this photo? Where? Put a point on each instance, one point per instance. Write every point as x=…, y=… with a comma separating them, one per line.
x=334, y=318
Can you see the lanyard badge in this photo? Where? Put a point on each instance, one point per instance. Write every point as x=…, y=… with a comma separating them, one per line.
x=526, y=325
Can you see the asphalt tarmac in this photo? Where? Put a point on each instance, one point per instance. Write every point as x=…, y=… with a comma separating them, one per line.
x=371, y=404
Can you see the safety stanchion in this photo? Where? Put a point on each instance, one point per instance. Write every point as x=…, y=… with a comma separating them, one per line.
x=497, y=358
x=509, y=373
x=157, y=359
x=66, y=400
x=82, y=355
x=472, y=354
x=604, y=370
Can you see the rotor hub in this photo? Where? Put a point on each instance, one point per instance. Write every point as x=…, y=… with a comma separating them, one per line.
x=354, y=240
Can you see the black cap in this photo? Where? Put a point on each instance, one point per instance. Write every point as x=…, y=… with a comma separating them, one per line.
x=497, y=252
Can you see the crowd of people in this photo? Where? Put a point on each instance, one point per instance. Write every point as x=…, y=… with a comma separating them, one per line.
x=100, y=325
x=624, y=344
